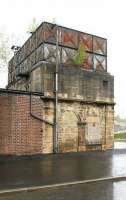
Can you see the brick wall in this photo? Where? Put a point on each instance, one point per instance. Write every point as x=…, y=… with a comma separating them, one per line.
x=19, y=132
x=5, y=124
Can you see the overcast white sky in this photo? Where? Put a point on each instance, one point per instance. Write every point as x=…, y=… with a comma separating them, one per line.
x=105, y=18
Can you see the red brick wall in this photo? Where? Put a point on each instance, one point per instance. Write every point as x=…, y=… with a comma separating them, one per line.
x=5, y=123
x=20, y=133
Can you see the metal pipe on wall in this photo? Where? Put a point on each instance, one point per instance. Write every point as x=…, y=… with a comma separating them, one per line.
x=37, y=117
x=55, y=141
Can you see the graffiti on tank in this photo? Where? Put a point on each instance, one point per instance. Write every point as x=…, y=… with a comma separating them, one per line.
x=87, y=41
x=49, y=33
x=88, y=63
x=70, y=39
x=99, y=45
x=99, y=63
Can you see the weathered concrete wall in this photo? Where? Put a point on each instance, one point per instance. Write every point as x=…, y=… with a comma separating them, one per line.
x=82, y=126
x=73, y=83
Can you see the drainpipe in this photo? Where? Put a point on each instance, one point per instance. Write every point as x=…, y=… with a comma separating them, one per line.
x=55, y=137
x=37, y=117
x=105, y=126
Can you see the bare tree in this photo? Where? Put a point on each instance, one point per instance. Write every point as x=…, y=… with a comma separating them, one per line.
x=5, y=51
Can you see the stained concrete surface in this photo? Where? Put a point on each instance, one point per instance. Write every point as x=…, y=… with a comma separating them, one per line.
x=92, y=191
x=52, y=169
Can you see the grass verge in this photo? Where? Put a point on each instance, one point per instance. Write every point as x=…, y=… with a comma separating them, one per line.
x=121, y=136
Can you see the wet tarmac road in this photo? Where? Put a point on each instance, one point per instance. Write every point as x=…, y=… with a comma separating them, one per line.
x=93, y=191
x=52, y=169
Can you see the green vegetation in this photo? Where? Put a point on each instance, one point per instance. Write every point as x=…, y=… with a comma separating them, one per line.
x=81, y=55
x=33, y=26
x=120, y=136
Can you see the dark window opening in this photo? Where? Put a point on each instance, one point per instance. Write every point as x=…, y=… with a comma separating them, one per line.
x=105, y=84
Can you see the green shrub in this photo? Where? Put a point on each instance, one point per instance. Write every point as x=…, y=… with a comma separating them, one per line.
x=80, y=55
